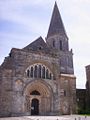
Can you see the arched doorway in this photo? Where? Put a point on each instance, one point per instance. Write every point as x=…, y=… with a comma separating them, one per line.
x=35, y=107
x=37, y=95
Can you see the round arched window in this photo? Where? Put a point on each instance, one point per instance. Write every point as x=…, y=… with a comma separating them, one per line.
x=39, y=71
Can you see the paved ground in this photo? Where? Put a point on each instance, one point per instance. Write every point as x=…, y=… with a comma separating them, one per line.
x=67, y=117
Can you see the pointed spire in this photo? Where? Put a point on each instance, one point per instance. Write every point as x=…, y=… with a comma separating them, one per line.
x=56, y=24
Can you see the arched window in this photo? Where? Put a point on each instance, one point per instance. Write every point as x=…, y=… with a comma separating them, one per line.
x=31, y=72
x=60, y=45
x=53, y=43
x=47, y=74
x=39, y=71
x=43, y=72
x=28, y=73
x=35, y=71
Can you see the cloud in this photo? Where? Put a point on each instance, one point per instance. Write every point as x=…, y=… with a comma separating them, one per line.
x=29, y=19
x=16, y=13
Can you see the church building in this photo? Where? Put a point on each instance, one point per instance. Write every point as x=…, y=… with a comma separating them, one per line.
x=39, y=78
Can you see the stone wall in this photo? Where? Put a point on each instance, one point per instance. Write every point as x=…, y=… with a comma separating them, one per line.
x=14, y=83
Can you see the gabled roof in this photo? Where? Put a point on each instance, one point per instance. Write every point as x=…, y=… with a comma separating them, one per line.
x=56, y=24
x=38, y=44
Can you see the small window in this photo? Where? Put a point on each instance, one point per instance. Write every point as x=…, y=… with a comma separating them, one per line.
x=43, y=72
x=65, y=93
x=40, y=48
x=53, y=43
x=47, y=74
x=35, y=71
x=31, y=74
x=60, y=45
x=39, y=71
x=28, y=73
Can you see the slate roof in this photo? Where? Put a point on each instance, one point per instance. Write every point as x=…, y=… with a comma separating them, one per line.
x=38, y=45
x=56, y=24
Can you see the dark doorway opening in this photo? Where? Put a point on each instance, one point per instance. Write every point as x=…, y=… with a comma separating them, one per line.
x=35, y=107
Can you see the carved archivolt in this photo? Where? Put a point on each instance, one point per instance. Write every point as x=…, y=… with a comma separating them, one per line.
x=40, y=91
x=42, y=88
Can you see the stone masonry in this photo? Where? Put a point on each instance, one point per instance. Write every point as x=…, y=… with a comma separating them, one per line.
x=39, y=78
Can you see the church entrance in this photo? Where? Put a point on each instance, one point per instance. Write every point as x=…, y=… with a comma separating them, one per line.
x=38, y=98
x=35, y=107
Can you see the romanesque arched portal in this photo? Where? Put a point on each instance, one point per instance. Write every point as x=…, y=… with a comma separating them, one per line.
x=38, y=98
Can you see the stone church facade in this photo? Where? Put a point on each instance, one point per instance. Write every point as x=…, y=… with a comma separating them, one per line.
x=39, y=78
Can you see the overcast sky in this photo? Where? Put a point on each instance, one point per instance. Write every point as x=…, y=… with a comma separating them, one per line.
x=23, y=21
